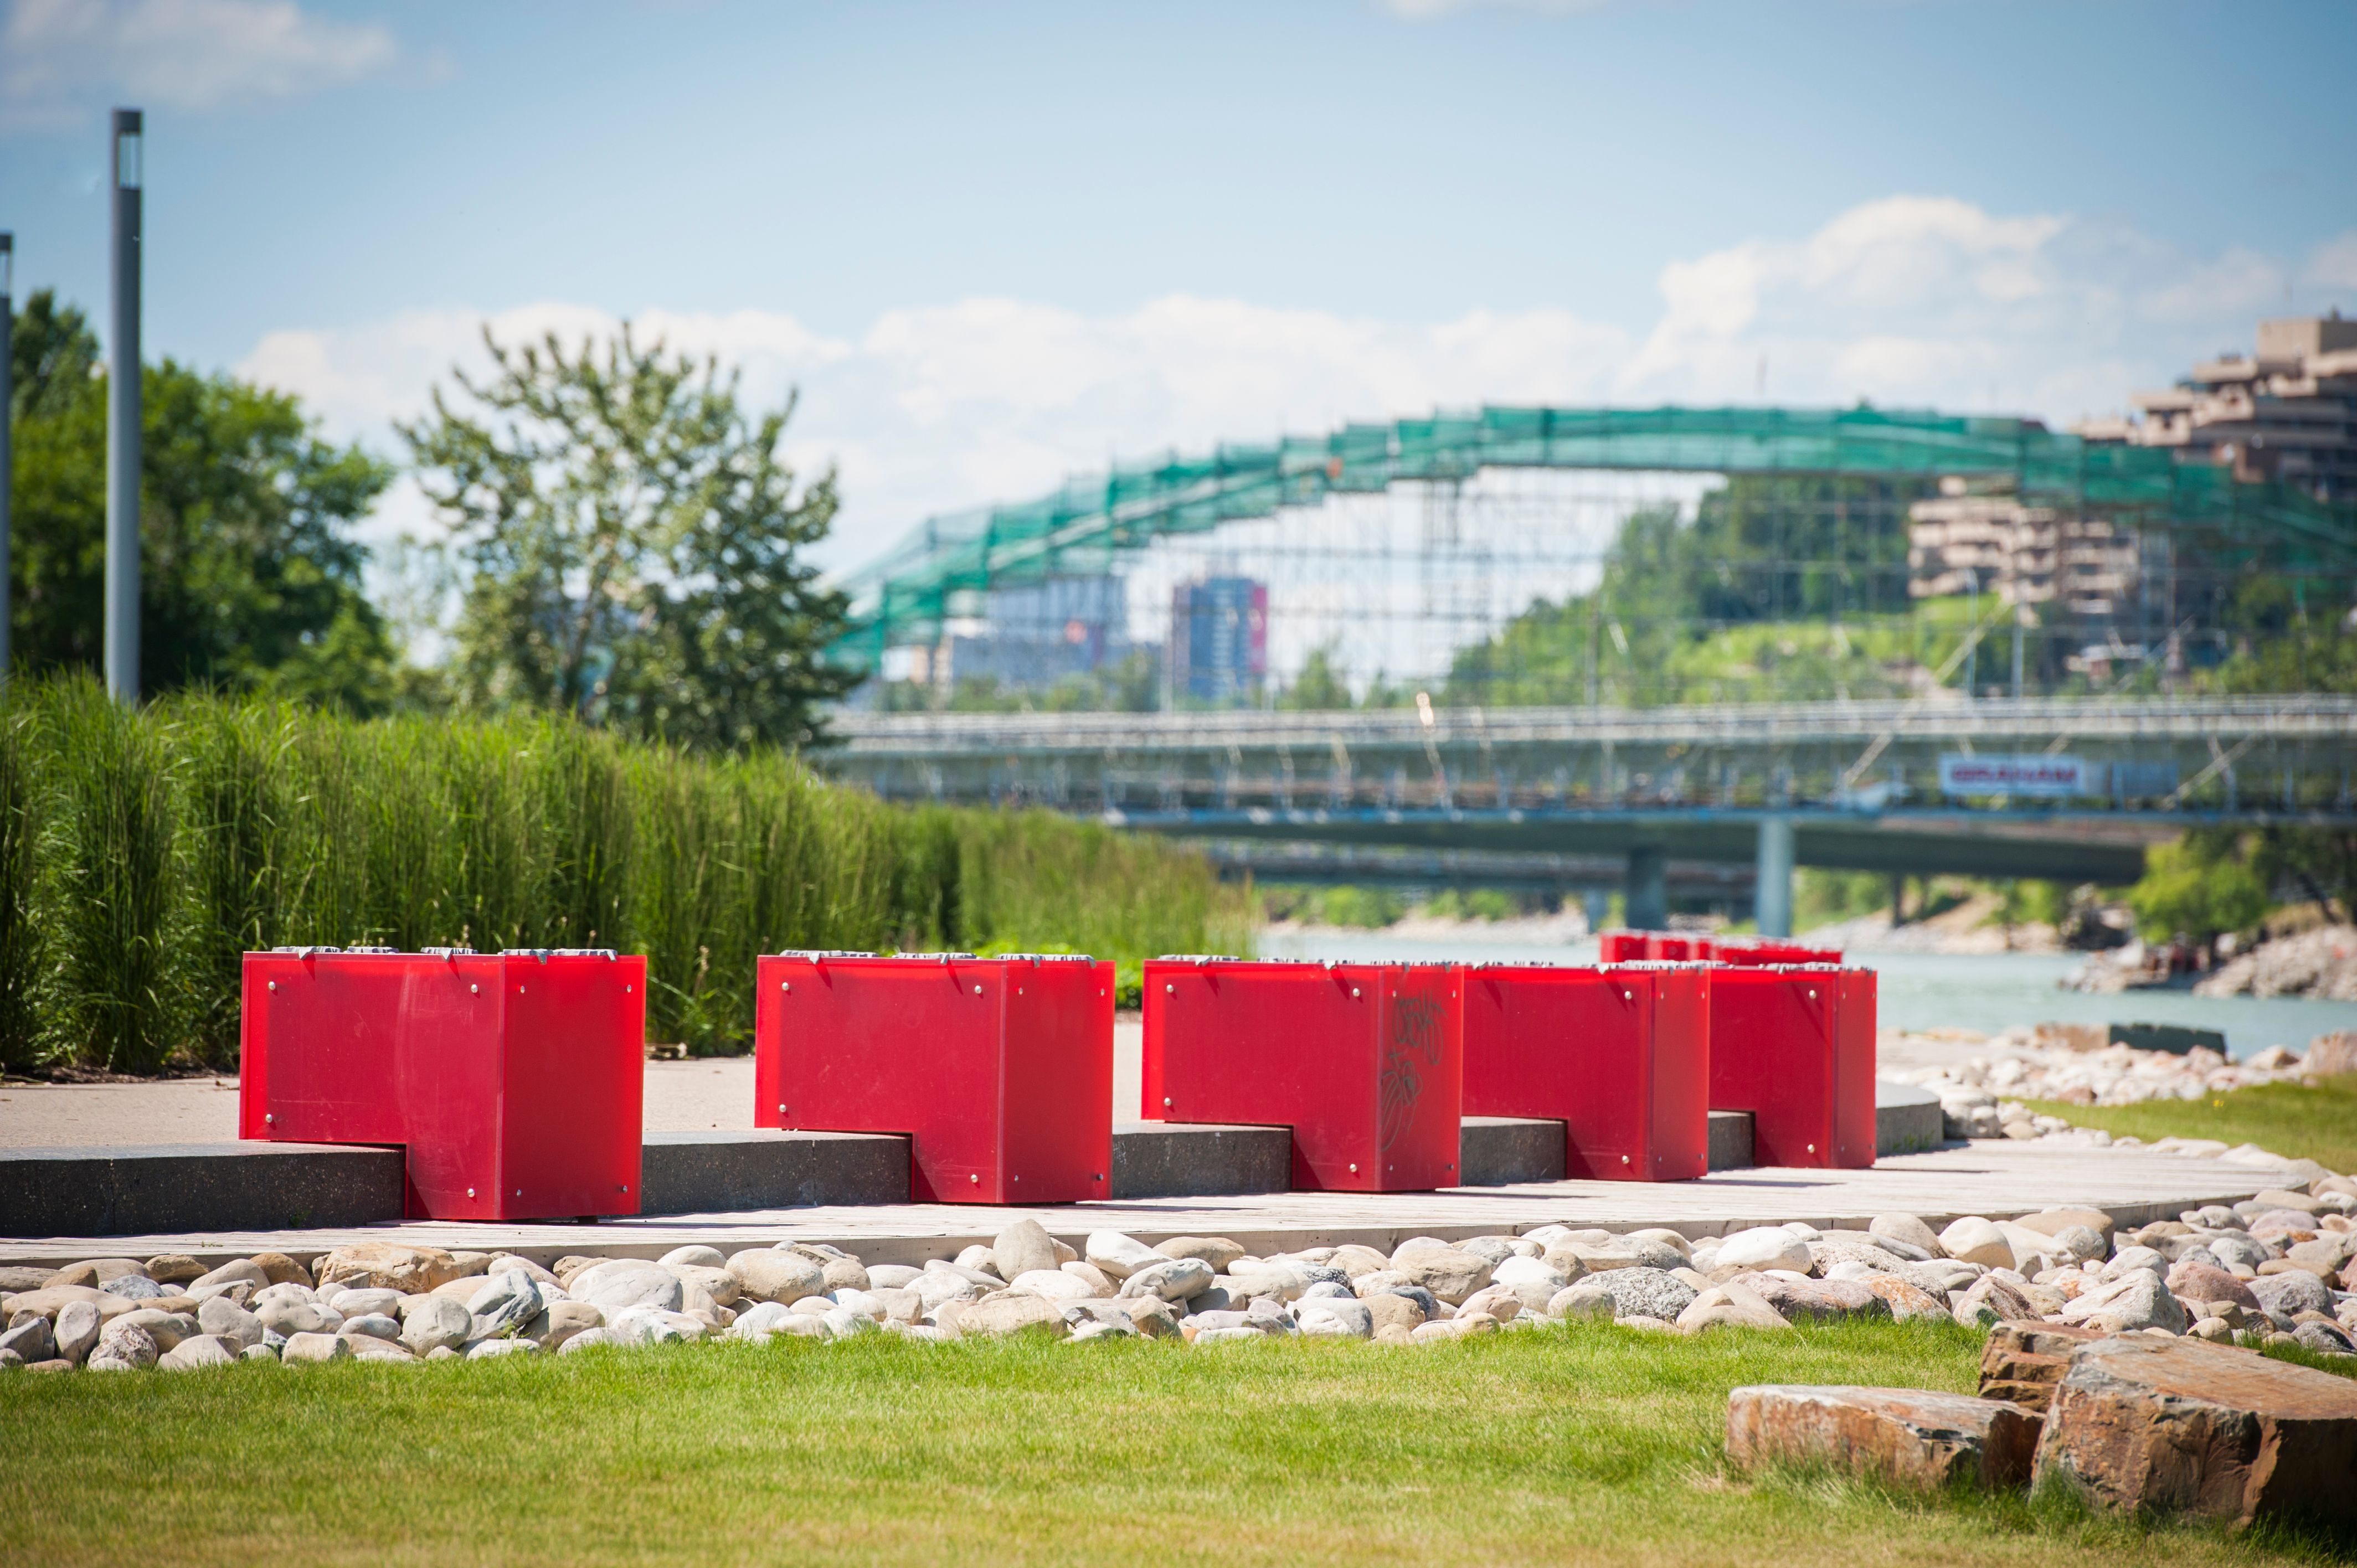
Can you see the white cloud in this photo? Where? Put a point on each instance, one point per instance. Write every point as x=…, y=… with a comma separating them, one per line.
x=1910, y=301
x=181, y=54
x=2333, y=265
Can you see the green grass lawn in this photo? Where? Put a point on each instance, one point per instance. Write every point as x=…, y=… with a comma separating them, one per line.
x=2288, y=1119
x=1591, y=1443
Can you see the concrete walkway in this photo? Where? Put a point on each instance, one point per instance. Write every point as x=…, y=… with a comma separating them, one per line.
x=1998, y=1179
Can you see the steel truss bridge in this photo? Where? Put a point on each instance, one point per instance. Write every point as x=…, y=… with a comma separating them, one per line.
x=1849, y=785
x=942, y=569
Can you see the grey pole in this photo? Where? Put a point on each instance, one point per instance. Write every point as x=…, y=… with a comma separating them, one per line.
x=1771, y=902
x=7, y=452
x=1646, y=903
x=122, y=419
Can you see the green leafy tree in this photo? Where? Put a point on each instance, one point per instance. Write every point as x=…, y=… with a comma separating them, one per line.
x=1318, y=686
x=632, y=545
x=2198, y=888
x=248, y=579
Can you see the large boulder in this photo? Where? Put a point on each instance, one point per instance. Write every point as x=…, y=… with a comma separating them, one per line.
x=2179, y=1425
x=409, y=1270
x=2022, y=1362
x=1909, y=1437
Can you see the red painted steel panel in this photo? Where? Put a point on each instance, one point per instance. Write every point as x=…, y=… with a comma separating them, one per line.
x=1621, y=947
x=999, y=1070
x=512, y=1081
x=1753, y=953
x=1619, y=1056
x=1363, y=1062
x=1795, y=1048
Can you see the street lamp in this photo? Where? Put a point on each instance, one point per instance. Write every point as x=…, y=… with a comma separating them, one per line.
x=125, y=150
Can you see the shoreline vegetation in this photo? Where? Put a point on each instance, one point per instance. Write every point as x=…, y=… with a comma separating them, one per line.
x=143, y=851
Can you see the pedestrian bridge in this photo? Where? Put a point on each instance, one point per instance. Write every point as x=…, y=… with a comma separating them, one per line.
x=1837, y=784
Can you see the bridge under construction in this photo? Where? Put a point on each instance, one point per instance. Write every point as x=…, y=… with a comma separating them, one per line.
x=1576, y=636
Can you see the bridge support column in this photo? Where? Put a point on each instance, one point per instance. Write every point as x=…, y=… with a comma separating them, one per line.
x=1771, y=905
x=1647, y=901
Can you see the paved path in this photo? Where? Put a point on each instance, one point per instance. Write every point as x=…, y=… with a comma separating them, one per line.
x=680, y=1097
x=1996, y=1178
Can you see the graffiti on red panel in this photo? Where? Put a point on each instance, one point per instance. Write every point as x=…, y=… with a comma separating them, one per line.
x=1414, y=1042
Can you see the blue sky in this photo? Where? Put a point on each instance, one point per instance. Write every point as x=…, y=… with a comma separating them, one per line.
x=993, y=243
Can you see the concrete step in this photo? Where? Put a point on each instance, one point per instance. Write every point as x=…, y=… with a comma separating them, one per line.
x=1730, y=1140
x=1498, y=1151
x=1199, y=1159
x=730, y=1172
x=142, y=1189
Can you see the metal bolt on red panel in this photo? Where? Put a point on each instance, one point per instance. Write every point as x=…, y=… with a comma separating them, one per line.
x=1363, y=1062
x=1619, y=1056
x=999, y=1070
x=487, y=1090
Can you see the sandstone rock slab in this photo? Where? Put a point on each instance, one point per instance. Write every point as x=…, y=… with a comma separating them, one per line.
x=2023, y=1362
x=1914, y=1438
x=2181, y=1426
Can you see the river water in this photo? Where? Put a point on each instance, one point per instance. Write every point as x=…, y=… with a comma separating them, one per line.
x=1921, y=991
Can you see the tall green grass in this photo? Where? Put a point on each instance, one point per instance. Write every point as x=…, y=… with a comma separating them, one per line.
x=143, y=852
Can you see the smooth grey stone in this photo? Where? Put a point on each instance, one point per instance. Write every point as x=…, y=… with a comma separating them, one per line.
x=223, y=1316
x=33, y=1341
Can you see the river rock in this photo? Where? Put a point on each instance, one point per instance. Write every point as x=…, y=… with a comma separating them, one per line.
x=1762, y=1246
x=302, y=1347
x=1734, y=1305
x=1216, y=1251
x=1180, y=1280
x=290, y=1316
x=1977, y=1241
x=136, y=1287
x=2137, y=1299
x=2198, y=1280
x=236, y=1272
x=2325, y=1337
x=1385, y=1308
x=1002, y=1315
x=428, y=1321
x=1906, y=1301
x=1343, y=1318
x=2291, y=1293
x=2170, y=1425
x=1152, y=1316
x=199, y=1351
x=1119, y=1256
x=1054, y=1285
x=34, y=1339
x=409, y=1270
x=1907, y=1228
x=1582, y=1298
x=76, y=1327
x=1614, y=1253
x=1500, y=1302
x=1643, y=1293
x=1023, y=1247
x=1913, y=1438
x=762, y=1273
x=505, y=1302
x=371, y=1325
x=1989, y=1300
x=1817, y=1301
x=360, y=1303
x=167, y=1328
x=1449, y=1275
x=2135, y=1260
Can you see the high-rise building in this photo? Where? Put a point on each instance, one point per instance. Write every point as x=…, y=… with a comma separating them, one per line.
x=2287, y=412
x=1219, y=638
x=1036, y=634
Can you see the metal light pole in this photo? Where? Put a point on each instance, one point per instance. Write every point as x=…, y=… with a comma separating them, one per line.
x=122, y=420
x=7, y=452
